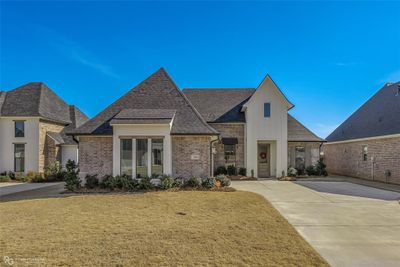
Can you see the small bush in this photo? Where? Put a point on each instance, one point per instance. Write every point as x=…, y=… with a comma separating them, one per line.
x=193, y=182
x=109, y=182
x=178, y=182
x=54, y=172
x=292, y=172
x=4, y=178
x=72, y=181
x=221, y=170
x=22, y=178
x=321, y=168
x=3, y=174
x=225, y=181
x=38, y=178
x=91, y=181
x=208, y=182
x=231, y=170
x=311, y=170
x=145, y=183
x=11, y=175
x=166, y=182
x=126, y=182
x=242, y=171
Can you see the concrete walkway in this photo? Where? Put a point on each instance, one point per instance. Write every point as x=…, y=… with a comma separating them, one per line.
x=18, y=191
x=348, y=224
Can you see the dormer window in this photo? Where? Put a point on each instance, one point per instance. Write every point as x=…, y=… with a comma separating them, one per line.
x=267, y=110
x=19, y=128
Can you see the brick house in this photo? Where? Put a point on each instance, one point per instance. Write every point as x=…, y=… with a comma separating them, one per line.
x=156, y=128
x=33, y=125
x=367, y=144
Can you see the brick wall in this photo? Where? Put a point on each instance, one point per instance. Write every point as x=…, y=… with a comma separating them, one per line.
x=191, y=156
x=347, y=159
x=44, y=157
x=229, y=130
x=95, y=155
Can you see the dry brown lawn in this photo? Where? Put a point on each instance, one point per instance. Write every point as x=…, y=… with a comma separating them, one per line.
x=159, y=229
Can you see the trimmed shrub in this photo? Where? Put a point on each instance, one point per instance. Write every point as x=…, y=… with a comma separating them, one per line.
x=54, y=172
x=11, y=175
x=225, y=181
x=145, y=183
x=166, y=182
x=231, y=170
x=4, y=178
x=221, y=170
x=91, y=181
x=126, y=182
x=193, y=182
x=109, y=182
x=22, y=178
x=72, y=181
x=321, y=168
x=178, y=182
x=38, y=178
x=292, y=172
x=208, y=182
x=242, y=171
x=311, y=170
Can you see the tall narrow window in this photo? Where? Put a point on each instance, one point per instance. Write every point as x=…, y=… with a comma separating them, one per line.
x=19, y=128
x=157, y=156
x=126, y=157
x=365, y=153
x=19, y=157
x=267, y=110
x=141, y=158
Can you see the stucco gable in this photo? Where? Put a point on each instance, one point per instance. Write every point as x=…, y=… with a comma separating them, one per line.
x=268, y=87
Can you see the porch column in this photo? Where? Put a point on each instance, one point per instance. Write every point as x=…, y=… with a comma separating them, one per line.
x=149, y=157
x=133, y=158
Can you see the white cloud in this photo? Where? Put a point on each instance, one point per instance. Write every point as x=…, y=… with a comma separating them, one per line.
x=346, y=64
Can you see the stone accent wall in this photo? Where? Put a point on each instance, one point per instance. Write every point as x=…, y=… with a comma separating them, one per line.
x=347, y=159
x=52, y=152
x=95, y=155
x=191, y=156
x=311, y=152
x=229, y=130
x=44, y=158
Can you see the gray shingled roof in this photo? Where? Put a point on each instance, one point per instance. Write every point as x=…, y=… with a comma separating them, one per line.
x=78, y=118
x=224, y=105
x=156, y=92
x=35, y=99
x=219, y=105
x=297, y=132
x=56, y=137
x=2, y=98
x=144, y=116
x=379, y=116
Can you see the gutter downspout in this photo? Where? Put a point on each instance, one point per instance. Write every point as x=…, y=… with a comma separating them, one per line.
x=212, y=156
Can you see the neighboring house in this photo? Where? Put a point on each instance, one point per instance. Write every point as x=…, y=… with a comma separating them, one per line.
x=367, y=144
x=156, y=128
x=33, y=122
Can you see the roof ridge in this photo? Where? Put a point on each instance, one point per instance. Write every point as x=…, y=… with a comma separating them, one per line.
x=218, y=88
x=190, y=103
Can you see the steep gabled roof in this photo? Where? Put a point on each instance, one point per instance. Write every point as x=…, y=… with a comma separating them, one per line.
x=156, y=92
x=35, y=99
x=2, y=98
x=218, y=104
x=297, y=132
x=377, y=117
x=78, y=118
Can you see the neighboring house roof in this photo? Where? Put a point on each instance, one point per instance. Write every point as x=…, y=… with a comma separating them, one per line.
x=156, y=92
x=378, y=116
x=35, y=99
x=220, y=105
x=2, y=98
x=297, y=132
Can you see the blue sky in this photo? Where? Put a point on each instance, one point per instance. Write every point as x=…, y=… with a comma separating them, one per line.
x=327, y=57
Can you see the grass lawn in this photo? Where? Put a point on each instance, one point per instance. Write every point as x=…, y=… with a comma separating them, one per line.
x=219, y=228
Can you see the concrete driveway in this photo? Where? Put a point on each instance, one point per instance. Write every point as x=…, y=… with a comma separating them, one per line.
x=348, y=224
x=19, y=191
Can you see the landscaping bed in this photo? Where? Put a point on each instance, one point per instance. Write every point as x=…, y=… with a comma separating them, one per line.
x=188, y=228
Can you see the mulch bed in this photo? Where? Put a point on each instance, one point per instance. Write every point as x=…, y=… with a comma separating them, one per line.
x=99, y=190
x=242, y=178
